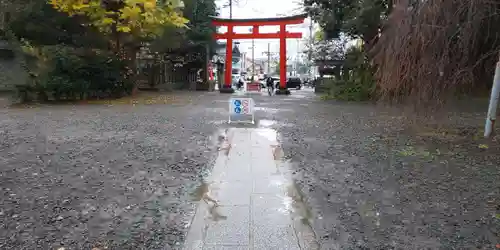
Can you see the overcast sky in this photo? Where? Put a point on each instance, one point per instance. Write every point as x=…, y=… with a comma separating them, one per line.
x=262, y=9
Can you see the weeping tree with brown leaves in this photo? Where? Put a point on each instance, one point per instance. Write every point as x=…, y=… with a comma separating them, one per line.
x=423, y=52
x=431, y=51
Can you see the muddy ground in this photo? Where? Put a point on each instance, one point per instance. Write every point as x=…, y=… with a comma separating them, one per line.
x=123, y=175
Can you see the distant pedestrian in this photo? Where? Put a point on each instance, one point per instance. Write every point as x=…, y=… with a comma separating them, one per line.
x=240, y=84
x=270, y=85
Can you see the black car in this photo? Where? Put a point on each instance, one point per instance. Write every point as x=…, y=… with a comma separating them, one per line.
x=293, y=83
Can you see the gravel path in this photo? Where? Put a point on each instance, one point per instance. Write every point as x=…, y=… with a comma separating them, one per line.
x=374, y=183
x=122, y=176
x=102, y=176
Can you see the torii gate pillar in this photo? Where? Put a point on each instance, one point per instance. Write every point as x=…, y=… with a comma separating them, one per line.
x=228, y=63
x=282, y=35
x=283, y=89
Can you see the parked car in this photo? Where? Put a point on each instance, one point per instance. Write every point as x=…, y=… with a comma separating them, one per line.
x=293, y=83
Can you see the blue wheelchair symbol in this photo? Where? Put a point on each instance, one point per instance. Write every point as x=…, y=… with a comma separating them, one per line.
x=237, y=110
x=237, y=103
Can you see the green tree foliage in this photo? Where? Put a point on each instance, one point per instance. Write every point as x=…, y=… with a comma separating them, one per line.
x=198, y=12
x=318, y=36
x=40, y=24
x=74, y=41
x=302, y=68
x=199, y=28
x=357, y=82
x=358, y=18
x=76, y=75
x=137, y=17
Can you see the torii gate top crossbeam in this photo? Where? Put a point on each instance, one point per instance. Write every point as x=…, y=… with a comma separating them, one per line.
x=257, y=35
x=273, y=21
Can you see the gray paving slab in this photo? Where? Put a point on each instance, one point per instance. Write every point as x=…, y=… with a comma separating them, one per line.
x=228, y=225
x=220, y=247
x=250, y=202
x=232, y=192
x=272, y=227
x=274, y=184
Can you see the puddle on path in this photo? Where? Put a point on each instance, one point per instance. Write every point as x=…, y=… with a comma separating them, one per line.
x=202, y=193
x=278, y=153
x=269, y=134
x=215, y=213
x=294, y=201
x=298, y=204
x=224, y=142
x=266, y=123
x=216, y=110
x=218, y=122
x=272, y=110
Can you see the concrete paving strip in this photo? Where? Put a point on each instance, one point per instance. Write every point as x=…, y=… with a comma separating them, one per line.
x=250, y=201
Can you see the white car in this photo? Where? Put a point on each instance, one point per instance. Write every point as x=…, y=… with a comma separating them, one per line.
x=263, y=83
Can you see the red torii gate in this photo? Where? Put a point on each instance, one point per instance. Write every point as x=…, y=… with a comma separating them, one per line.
x=282, y=22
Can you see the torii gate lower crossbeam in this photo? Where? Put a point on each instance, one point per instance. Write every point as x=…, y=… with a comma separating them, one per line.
x=230, y=35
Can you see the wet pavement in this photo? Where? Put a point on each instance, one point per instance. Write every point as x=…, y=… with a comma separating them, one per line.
x=250, y=201
x=137, y=176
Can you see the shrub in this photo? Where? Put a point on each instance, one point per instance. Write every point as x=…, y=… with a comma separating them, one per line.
x=74, y=74
x=357, y=83
x=360, y=87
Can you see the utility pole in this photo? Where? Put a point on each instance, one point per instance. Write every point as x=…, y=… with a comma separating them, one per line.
x=268, y=58
x=207, y=60
x=311, y=44
x=269, y=55
x=253, y=59
x=492, y=108
x=243, y=61
x=253, y=56
x=230, y=9
x=297, y=58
